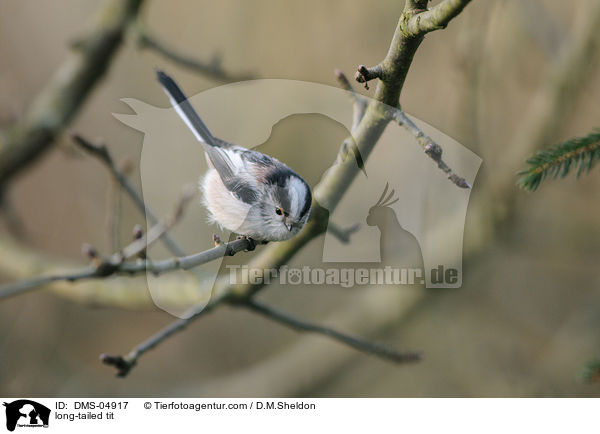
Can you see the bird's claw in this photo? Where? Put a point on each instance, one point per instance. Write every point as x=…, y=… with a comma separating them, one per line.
x=251, y=242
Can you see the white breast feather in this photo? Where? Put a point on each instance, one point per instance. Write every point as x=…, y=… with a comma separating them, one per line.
x=224, y=208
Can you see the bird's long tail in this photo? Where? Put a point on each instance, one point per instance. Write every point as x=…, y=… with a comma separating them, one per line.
x=185, y=110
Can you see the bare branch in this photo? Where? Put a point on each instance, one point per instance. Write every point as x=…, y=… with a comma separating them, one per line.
x=114, y=206
x=432, y=149
x=364, y=74
x=63, y=95
x=137, y=234
x=344, y=82
x=21, y=286
x=212, y=69
x=304, y=326
x=373, y=311
x=418, y=23
x=158, y=230
x=359, y=102
x=114, y=265
x=124, y=364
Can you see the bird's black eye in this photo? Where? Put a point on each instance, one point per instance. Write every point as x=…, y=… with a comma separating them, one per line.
x=278, y=211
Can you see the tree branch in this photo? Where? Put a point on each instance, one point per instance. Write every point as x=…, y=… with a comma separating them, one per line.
x=124, y=364
x=63, y=95
x=359, y=102
x=304, y=326
x=297, y=368
x=364, y=74
x=431, y=148
x=414, y=23
x=419, y=23
x=212, y=69
x=114, y=265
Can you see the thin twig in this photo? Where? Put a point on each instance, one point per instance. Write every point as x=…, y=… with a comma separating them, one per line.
x=212, y=69
x=421, y=21
x=101, y=153
x=159, y=229
x=114, y=206
x=432, y=149
x=114, y=265
x=364, y=74
x=113, y=215
x=305, y=326
x=359, y=102
x=125, y=363
x=21, y=286
x=137, y=234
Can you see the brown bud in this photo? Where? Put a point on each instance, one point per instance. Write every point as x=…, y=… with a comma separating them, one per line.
x=137, y=232
x=89, y=251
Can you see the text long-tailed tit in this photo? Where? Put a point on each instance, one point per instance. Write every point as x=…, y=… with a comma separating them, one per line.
x=246, y=192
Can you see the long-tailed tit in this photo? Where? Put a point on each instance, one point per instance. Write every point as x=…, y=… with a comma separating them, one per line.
x=246, y=192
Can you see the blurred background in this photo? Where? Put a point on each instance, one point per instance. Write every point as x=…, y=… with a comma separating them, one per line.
x=526, y=319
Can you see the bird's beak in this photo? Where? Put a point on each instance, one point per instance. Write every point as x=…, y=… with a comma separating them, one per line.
x=288, y=224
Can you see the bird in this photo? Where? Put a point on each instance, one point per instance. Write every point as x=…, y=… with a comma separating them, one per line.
x=246, y=192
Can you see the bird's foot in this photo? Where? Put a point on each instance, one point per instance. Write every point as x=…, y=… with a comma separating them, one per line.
x=251, y=242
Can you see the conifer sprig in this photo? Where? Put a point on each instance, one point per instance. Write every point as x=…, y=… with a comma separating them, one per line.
x=591, y=372
x=580, y=153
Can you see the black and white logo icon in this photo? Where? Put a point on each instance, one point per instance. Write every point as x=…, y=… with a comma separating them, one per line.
x=26, y=413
